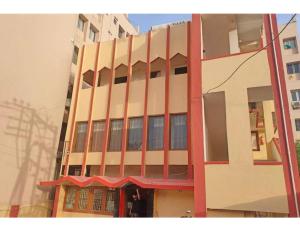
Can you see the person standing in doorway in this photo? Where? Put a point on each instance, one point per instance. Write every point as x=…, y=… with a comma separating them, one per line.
x=136, y=205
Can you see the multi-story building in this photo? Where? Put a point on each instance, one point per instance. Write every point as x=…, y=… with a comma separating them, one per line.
x=173, y=114
x=36, y=62
x=91, y=28
x=289, y=42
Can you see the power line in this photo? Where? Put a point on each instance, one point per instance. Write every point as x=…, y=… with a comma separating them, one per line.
x=242, y=63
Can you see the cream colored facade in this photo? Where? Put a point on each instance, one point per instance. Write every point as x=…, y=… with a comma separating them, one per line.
x=240, y=179
x=106, y=27
x=292, y=80
x=35, y=63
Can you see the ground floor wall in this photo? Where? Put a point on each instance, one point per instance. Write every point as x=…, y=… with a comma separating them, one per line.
x=258, y=188
x=42, y=209
x=226, y=197
x=173, y=203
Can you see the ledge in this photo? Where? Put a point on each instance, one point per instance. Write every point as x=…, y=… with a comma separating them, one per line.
x=266, y=162
x=217, y=162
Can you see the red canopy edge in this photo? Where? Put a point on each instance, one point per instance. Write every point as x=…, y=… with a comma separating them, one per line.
x=115, y=182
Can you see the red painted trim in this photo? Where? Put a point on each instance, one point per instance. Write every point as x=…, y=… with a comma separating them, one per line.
x=230, y=55
x=125, y=120
x=104, y=144
x=122, y=203
x=56, y=200
x=279, y=116
x=261, y=162
x=197, y=117
x=167, y=115
x=277, y=144
x=74, y=112
x=145, y=122
x=121, y=181
x=289, y=130
x=216, y=162
x=14, y=211
x=189, y=142
x=89, y=127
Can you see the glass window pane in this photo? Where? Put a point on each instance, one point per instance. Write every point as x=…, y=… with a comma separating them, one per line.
x=297, y=122
x=97, y=202
x=110, y=203
x=135, y=134
x=70, y=199
x=80, y=136
x=290, y=68
x=178, y=132
x=80, y=23
x=92, y=35
x=289, y=43
x=75, y=55
x=115, y=141
x=294, y=95
x=156, y=133
x=97, y=136
x=296, y=67
x=83, y=198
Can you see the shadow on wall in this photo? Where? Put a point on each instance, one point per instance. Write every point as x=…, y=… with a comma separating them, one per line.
x=278, y=202
x=33, y=151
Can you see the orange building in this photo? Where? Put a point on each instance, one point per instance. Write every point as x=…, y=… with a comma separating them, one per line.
x=158, y=112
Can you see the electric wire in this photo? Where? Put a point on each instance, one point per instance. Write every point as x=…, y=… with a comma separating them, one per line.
x=247, y=59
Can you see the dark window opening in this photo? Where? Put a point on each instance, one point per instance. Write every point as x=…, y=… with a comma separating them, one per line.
x=80, y=23
x=297, y=123
x=155, y=74
x=121, y=32
x=154, y=171
x=178, y=171
x=122, y=79
x=74, y=170
x=290, y=43
x=93, y=33
x=293, y=68
x=75, y=55
x=180, y=70
x=88, y=171
x=115, y=20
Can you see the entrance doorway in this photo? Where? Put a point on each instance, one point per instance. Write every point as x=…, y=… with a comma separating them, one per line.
x=145, y=202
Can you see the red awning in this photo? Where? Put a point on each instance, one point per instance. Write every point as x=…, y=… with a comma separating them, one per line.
x=115, y=182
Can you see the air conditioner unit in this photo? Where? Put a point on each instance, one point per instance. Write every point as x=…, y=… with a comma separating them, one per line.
x=295, y=104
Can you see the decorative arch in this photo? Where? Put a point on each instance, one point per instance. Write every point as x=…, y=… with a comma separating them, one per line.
x=158, y=67
x=178, y=64
x=87, y=80
x=139, y=71
x=103, y=77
